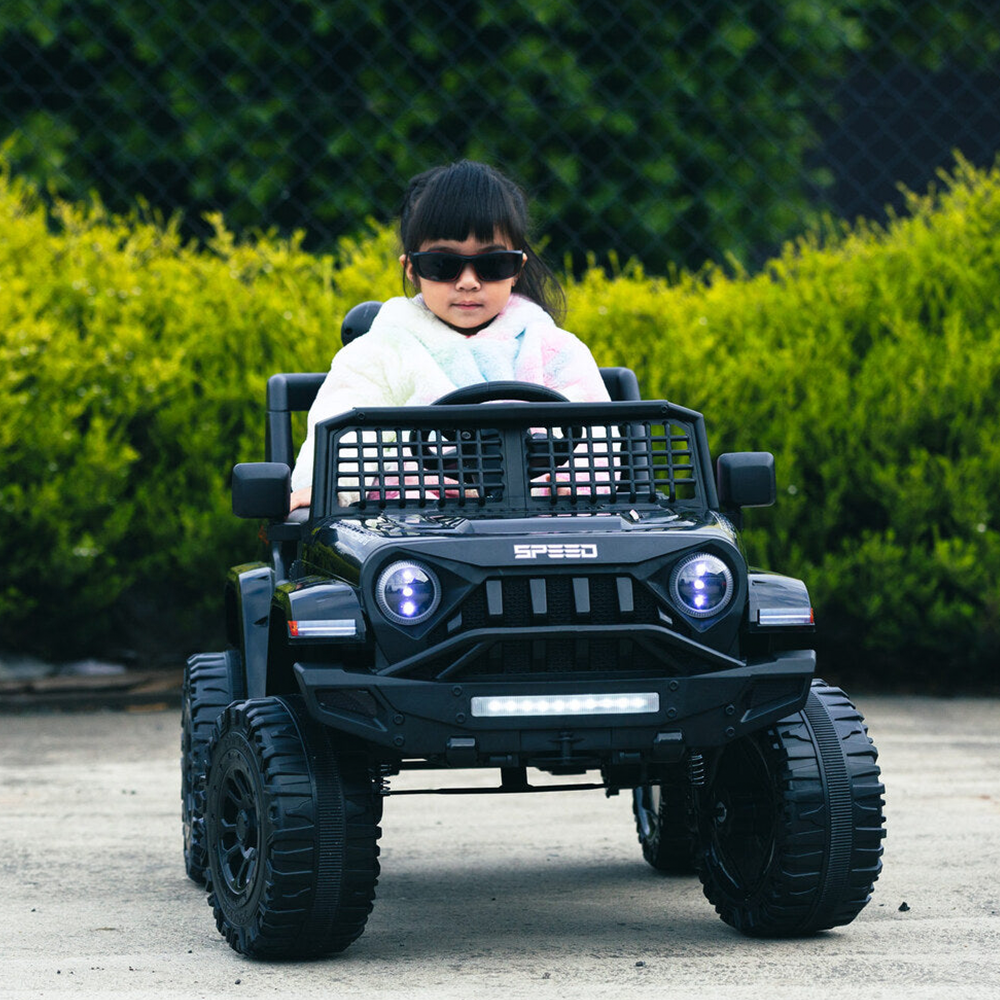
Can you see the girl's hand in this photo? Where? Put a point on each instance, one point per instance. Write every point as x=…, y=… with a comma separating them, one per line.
x=301, y=498
x=561, y=491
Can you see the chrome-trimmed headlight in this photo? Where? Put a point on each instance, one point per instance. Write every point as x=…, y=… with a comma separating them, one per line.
x=407, y=593
x=701, y=585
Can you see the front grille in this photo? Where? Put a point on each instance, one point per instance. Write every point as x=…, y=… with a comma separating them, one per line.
x=563, y=599
x=559, y=600
x=534, y=659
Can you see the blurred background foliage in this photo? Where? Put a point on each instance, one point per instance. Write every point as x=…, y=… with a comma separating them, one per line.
x=674, y=132
x=193, y=192
x=867, y=358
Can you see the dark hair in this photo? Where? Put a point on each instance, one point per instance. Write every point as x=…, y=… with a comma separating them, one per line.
x=466, y=198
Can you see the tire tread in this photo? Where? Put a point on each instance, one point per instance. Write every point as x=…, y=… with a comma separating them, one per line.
x=211, y=682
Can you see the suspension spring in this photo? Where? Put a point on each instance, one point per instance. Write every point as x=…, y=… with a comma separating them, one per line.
x=382, y=780
x=696, y=770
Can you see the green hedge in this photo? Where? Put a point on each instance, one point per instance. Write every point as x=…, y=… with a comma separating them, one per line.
x=132, y=370
x=868, y=360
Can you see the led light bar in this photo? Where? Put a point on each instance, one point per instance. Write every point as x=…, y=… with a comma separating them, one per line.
x=785, y=616
x=323, y=628
x=513, y=706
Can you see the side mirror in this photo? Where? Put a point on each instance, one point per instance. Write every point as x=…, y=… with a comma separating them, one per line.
x=746, y=479
x=262, y=489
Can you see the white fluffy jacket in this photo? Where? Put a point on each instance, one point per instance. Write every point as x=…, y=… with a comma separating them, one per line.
x=410, y=358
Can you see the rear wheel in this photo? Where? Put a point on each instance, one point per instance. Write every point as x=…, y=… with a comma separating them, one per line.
x=663, y=815
x=290, y=831
x=793, y=822
x=211, y=682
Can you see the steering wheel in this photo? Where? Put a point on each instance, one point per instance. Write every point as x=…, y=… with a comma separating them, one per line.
x=489, y=392
x=441, y=450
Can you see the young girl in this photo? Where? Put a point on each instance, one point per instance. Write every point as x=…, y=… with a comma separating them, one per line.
x=465, y=249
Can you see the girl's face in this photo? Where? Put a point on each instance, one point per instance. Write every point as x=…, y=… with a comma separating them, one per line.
x=466, y=304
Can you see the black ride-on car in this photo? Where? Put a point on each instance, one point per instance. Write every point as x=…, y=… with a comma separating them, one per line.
x=536, y=584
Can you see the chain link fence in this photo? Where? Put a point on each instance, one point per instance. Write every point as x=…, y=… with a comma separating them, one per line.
x=673, y=131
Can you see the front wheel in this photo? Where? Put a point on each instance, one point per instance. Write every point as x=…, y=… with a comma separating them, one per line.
x=792, y=822
x=211, y=682
x=290, y=833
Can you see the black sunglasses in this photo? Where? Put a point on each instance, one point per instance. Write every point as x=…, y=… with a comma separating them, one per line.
x=439, y=265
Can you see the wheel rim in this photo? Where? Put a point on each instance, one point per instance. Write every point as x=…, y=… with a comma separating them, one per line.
x=742, y=821
x=238, y=843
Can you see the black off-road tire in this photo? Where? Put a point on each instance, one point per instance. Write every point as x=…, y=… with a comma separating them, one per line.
x=663, y=819
x=291, y=833
x=211, y=682
x=793, y=822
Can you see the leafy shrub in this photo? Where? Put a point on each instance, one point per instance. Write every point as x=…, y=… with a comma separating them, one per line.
x=132, y=369
x=868, y=361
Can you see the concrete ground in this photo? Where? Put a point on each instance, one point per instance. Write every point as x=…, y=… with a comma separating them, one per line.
x=493, y=896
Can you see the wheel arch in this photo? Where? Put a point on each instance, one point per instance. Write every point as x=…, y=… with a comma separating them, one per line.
x=248, y=593
x=319, y=600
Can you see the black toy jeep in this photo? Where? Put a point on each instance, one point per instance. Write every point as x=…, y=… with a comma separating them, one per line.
x=532, y=584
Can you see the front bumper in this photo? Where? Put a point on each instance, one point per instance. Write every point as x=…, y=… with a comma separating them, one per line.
x=424, y=719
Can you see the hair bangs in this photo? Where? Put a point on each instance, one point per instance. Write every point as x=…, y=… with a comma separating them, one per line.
x=462, y=200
